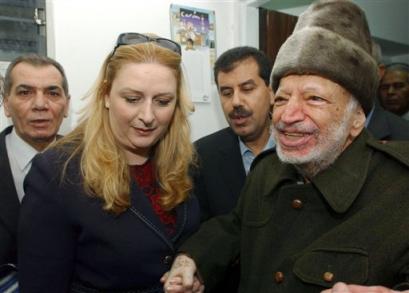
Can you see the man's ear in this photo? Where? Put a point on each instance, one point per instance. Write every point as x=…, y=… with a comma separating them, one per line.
x=6, y=106
x=358, y=122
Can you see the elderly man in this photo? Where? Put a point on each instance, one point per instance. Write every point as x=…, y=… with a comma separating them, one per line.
x=332, y=204
x=36, y=99
x=394, y=89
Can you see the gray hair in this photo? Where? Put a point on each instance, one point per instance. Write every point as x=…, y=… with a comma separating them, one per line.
x=34, y=60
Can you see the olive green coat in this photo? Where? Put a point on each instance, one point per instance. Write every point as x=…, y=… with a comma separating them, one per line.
x=350, y=224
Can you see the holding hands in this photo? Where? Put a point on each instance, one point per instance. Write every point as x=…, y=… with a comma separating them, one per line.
x=182, y=277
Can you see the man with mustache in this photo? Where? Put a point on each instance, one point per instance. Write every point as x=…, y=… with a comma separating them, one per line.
x=36, y=99
x=331, y=205
x=242, y=78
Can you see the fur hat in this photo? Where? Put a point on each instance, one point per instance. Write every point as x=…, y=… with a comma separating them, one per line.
x=331, y=39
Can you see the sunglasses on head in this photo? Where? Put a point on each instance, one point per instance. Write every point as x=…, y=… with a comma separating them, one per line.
x=136, y=38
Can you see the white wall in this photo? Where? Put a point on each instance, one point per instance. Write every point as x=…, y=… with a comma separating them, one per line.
x=82, y=32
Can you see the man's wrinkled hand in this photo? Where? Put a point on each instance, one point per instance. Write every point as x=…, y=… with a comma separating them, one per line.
x=182, y=277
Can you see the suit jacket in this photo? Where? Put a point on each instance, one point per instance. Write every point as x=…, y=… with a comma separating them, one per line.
x=385, y=125
x=218, y=181
x=220, y=175
x=9, y=205
x=66, y=237
x=349, y=224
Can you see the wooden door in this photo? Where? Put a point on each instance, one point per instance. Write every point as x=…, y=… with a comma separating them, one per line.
x=275, y=27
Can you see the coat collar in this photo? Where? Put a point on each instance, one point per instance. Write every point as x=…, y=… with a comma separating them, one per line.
x=142, y=209
x=339, y=184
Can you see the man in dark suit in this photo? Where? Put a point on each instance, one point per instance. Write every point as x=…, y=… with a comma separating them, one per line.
x=242, y=78
x=36, y=100
x=385, y=125
x=382, y=124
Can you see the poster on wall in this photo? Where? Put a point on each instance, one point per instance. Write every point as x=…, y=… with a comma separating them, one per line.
x=194, y=30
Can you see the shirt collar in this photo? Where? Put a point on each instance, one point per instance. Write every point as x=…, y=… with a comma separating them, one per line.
x=369, y=116
x=243, y=148
x=24, y=152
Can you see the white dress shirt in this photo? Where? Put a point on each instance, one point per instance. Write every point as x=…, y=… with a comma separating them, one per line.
x=20, y=154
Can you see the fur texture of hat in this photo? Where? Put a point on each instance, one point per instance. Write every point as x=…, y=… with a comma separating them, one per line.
x=331, y=39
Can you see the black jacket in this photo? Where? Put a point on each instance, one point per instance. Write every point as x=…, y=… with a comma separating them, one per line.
x=9, y=205
x=349, y=224
x=221, y=175
x=388, y=126
x=65, y=235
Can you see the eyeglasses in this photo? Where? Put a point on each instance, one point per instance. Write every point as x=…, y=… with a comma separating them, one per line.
x=136, y=38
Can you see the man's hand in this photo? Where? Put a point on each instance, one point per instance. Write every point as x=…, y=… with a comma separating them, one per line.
x=344, y=288
x=181, y=277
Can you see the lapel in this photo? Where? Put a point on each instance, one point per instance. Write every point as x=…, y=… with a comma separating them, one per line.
x=9, y=203
x=142, y=209
x=341, y=183
x=231, y=164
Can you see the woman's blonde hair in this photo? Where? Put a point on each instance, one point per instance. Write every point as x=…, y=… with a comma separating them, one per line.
x=103, y=165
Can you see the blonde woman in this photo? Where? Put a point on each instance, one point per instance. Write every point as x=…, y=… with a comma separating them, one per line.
x=108, y=205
